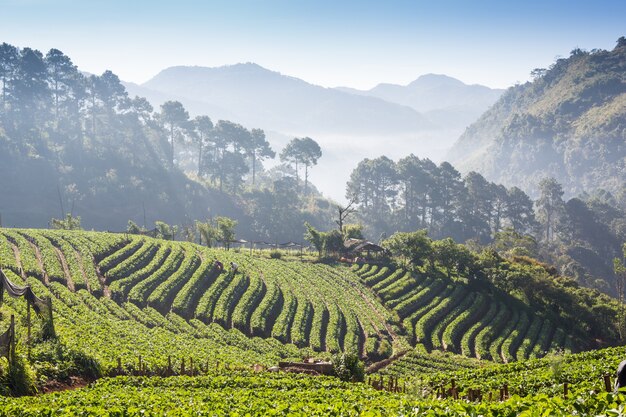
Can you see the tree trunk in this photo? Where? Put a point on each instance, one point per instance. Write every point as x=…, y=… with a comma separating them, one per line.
x=200, y=158
x=172, y=147
x=306, y=178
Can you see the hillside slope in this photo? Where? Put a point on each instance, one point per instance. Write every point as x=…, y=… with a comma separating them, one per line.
x=118, y=295
x=569, y=123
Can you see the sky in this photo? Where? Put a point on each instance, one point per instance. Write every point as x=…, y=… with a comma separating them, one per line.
x=330, y=43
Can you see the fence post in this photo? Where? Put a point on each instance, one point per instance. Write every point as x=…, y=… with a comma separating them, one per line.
x=28, y=331
x=11, y=352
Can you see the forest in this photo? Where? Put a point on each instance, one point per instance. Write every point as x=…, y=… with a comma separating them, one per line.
x=75, y=143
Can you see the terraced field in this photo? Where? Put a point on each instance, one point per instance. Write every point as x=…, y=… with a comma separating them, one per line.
x=137, y=288
x=447, y=315
x=124, y=296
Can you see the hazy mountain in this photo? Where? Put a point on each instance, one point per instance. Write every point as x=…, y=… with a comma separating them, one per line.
x=569, y=123
x=259, y=97
x=349, y=124
x=443, y=100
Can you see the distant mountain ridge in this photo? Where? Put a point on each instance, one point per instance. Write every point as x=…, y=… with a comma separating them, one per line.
x=349, y=125
x=569, y=123
x=256, y=96
x=434, y=92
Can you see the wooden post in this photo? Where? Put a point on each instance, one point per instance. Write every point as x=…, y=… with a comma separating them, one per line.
x=607, y=382
x=11, y=352
x=28, y=325
x=506, y=392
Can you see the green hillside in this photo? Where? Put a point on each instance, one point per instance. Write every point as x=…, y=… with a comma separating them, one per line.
x=121, y=296
x=568, y=123
x=164, y=307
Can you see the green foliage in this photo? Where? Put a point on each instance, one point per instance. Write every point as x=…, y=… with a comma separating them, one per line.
x=225, y=229
x=165, y=231
x=19, y=377
x=276, y=254
x=348, y=367
x=326, y=243
x=133, y=228
x=68, y=223
x=416, y=247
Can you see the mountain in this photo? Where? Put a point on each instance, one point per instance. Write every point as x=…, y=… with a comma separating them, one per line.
x=256, y=96
x=442, y=99
x=348, y=124
x=568, y=123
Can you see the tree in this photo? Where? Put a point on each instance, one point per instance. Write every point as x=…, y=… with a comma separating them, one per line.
x=314, y=237
x=9, y=59
x=165, y=231
x=518, y=210
x=310, y=152
x=416, y=247
x=550, y=206
x=258, y=149
x=226, y=230
x=30, y=90
x=230, y=140
x=175, y=117
x=416, y=177
x=202, y=129
x=68, y=223
x=302, y=151
x=343, y=213
x=208, y=232
x=372, y=185
x=508, y=240
x=64, y=80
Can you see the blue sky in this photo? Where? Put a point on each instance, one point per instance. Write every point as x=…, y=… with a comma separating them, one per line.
x=330, y=43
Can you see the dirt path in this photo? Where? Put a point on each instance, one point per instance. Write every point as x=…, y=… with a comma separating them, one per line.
x=66, y=270
x=79, y=258
x=46, y=278
x=103, y=281
x=384, y=363
x=392, y=333
x=18, y=260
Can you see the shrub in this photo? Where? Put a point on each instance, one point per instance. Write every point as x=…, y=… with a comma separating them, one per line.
x=348, y=367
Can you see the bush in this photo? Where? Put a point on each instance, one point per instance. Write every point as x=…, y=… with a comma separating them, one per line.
x=53, y=360
x=19, y=378
x=276, y=254
x=348, y=367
